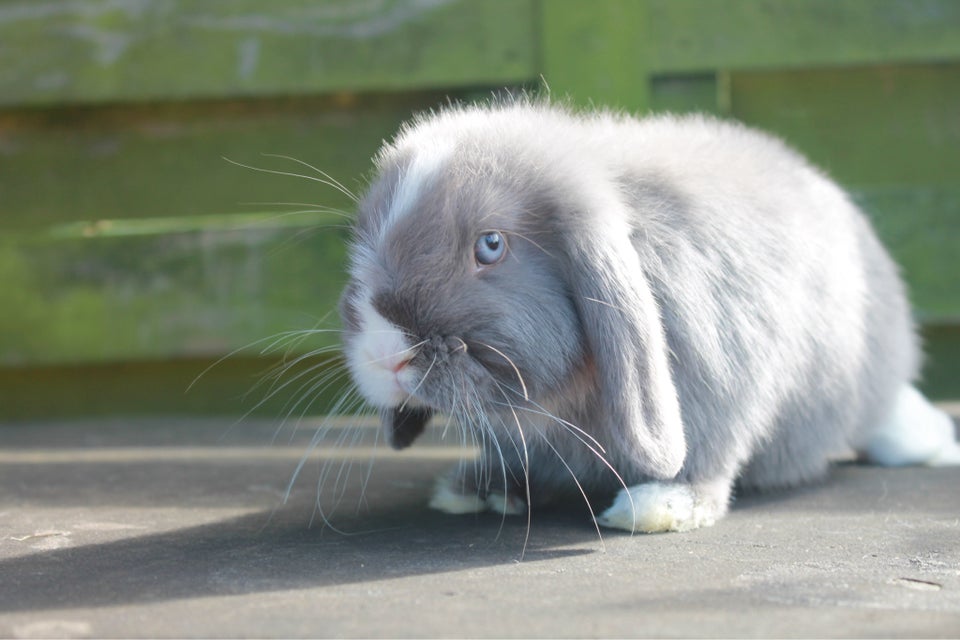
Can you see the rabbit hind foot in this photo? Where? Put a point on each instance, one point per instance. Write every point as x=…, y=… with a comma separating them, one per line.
x=915, y=433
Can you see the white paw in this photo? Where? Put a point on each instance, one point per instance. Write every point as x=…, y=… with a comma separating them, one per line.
x=916, y=432
x=506, y=504
x=448, y=500
x=656, y=507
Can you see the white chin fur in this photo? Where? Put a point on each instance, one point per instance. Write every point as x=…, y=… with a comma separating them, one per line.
x=916, y=432
x=373, y=357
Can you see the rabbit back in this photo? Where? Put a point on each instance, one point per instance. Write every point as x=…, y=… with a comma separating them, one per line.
x=788, y=325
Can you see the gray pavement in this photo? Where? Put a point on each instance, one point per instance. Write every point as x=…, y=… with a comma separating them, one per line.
x=166, y=528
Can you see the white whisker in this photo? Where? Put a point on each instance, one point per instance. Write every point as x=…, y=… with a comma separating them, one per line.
x=605, y=303
x=326, y=180
x=530, y=240
x=308, y=207
x=525, y=464
x=419, y=384
x=411, y=351
x=580, y=488
x=585, y=438
x=331, y=181
x=523, y=385
x=539, y=410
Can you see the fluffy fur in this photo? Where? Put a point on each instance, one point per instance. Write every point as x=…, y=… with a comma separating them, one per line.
x=684, y=303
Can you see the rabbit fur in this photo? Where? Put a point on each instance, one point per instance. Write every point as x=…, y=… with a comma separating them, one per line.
x=682, y=304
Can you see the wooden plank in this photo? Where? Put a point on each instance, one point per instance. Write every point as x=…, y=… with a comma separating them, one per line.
x=54, y=52
x=690, y=93
x=890, y=125
x=168, y=160
x=703, y=35
x=142, y=290
x=241, y=385
x=110, y=293
x=65, y=317
x=594, y=53
x=235, y=387
x=941, y=371
x=921, y=228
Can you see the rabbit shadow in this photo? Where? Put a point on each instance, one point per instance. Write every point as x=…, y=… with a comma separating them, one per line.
x=278, y=550
x=381, y=528
x=270, y=549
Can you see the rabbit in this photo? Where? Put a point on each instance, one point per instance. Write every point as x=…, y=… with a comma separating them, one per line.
x=649, y=311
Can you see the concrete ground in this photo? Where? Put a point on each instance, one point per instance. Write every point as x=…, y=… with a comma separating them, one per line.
x=179, y=528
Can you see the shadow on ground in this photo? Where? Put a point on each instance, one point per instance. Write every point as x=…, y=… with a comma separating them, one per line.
x=279, y=550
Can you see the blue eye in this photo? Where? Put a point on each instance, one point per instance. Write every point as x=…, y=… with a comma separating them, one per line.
x=490, y=248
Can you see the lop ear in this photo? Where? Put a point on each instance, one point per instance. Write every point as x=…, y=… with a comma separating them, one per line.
x=625, y=336
x=402, y=425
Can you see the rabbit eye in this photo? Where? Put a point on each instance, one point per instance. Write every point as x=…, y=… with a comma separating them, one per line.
x=489, y=248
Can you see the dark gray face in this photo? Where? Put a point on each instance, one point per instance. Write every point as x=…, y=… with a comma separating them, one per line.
x=456, y=266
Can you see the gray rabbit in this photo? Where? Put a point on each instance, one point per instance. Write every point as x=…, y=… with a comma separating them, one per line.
x=647, y=311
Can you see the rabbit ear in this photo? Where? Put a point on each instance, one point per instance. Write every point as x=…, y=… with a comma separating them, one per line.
x=625, y=336
x=404, y=424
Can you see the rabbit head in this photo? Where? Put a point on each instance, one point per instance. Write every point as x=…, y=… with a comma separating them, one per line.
x=491, y=272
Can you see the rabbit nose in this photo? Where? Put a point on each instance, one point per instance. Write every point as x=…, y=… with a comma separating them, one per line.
x=399, y=365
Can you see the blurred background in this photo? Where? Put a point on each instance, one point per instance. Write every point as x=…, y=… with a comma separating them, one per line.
x=137, y=254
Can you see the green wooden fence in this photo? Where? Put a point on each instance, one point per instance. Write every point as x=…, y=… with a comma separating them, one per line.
x=137, y=246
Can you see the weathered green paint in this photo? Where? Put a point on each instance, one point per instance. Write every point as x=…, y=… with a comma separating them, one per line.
x=104, y=295
x=921, y=227
x=703, y=35
x=941, y=371
x=594, y=52
x=700, y=93
x=168, y=160
x=882, y=125
x=193, y=386
x=104, y=51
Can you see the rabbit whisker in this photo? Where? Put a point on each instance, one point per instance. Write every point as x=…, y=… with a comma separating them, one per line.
x=273, y=340
x=292, y=175
x=481, y=475
x=328, y=179
x=486, y=428
x=350, y=401
x=423, y=378
x=411, y=350
x=523, y=385
x=525, y=463
x=311, y=207
x=573, y=476
x=531, y=241
x=605, y=303
x=313, y=393
x=581, y=435
x=276, y=387
x=538, y=409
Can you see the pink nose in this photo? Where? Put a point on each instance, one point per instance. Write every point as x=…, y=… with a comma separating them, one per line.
x=400, y=365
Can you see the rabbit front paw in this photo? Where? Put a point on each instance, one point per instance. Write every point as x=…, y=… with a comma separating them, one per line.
x=454, y=496
x=448, y=499
x=658, y=507
x=506, y=504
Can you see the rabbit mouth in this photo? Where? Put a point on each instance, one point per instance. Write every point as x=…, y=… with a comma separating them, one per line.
x=404, y=424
